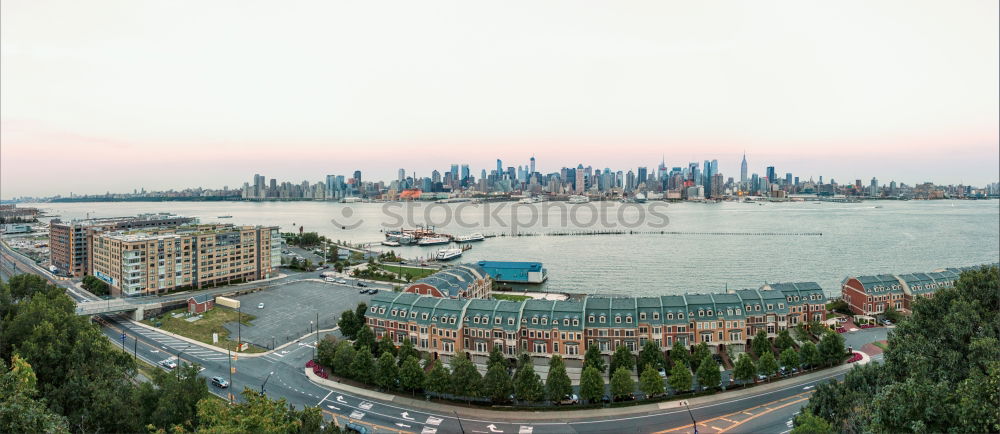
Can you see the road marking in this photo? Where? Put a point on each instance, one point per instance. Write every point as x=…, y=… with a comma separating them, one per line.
x=366, y=405
x=807, y=387
x=493, y=428
x=431, y=420
x=402, y=425
x=357, y=414
x=333, y=407
x=340, y=399
x=406, y=415
x=525, y=429
x=763, y=413
x=428, y=430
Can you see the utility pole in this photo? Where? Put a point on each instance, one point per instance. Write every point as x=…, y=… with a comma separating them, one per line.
x=229, y=352
x=317, y=336
x=694, y=424
x=239, y=326
x=135, y=348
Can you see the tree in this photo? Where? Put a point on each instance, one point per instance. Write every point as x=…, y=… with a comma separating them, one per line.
x=708, y=373
x=438, y=380
x=831, y=348
x=680, y=378
x=784, y=340
x=892, y=314
x=809, y=355
x=650, y=381
x=361, y=367
x=366, y=338
x=411, y=377
x=497, y=358
x=95, y=285
x=527, y=383
x=621, y=383
x=326, y=351
x=760, y=344
x=407, y=350
x=594, y=358
x=591, y=384
x=385, y=345
x=360, y=314
x=19, y=410
x=465, y=378
x=622, y=358
x=348, y=324
x=680, y=354
x=343, y=359
x=497, y=384
x=172, y=399
x=766, y=365
x=386, y=372
x=744, y=371
x=789, y=359
x=808, y=423
x=557, y=383
x=650, y=355
x=700, y=353
x=309, y=239
x=257, y=413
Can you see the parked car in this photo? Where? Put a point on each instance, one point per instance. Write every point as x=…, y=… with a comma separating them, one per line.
x=220, y=382
x=260, y=305
x=663, y=372
x=606, y=399
x=373, y=291
x=169, y=364
x=330, y=280
x=569, y=399
x=629, y=397
x=887, y=322
x=362, y=284
x=356, y=427
x=342, y=282
x=761, y=377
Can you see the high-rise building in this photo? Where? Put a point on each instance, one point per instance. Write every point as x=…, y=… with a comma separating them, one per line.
x=770, y=175
x=499, y=167
x=743, y=169
x=465, y=172
x=402, y=174
x=580, y=183
x=532, y=164
x=640, y=176
x=873, y=192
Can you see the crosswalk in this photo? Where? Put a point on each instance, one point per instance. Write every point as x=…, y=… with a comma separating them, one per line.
x=171, y=344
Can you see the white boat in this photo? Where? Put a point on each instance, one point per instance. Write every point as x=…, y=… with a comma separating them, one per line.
x=431, y=241
x=448, y=254
x=391, y=243
x=469, y=238
x=578, y=199
x=225, y=216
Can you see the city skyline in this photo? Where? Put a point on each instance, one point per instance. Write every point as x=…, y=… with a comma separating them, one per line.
x=898, y=90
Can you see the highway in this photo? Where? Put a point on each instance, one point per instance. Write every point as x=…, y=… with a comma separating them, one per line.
x=760, y=409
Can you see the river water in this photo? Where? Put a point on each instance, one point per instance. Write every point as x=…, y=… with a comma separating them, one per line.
x=684, y=247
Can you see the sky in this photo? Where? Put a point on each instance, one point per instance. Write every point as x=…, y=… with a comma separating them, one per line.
x=104, y=96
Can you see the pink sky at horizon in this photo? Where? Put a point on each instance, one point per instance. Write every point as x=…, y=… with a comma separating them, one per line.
x=112, y=96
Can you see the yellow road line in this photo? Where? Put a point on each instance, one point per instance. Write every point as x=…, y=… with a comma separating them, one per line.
x=766, y=412
x=801, y=397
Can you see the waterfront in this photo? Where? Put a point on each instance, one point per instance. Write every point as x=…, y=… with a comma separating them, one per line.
x=857, y=238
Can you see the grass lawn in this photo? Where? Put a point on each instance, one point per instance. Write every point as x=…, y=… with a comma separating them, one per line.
x=511, y=297
x=201, y=330
x=883, y=345
x=416, y=272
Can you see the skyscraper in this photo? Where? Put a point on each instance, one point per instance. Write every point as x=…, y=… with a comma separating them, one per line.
x=465, y=171
x=640, y=176
x=499, y=167
x=532, y=165
x=770, y=175
x=402, y=174
x=743, y=169
x=454, y=172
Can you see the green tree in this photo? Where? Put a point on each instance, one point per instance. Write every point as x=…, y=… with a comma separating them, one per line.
x=650, y=355
x=650, y=381
x=465, y=378
x=407, y=350
x=809, y=355
x=497, y=384
x=680, y=378
x=438, y=380
x=744, y=371
x=680, y=354
x=591, y=384
x=172, y=399
x=594, y=358
x=621, y=383
x=361, y=367
x=497, y=358
x=366, y=338
x=766, y=365
x=831, y=347
x=622, y=358
x=527, y=383
x=557, y=383
x=19, y=410
x=343, y=359
x=789, y=359
x=411, y=377
x=309, y=239
x=348, y=324
x=892, y=314
x=760, y=344
x=386, y=372
x=784, y=340
x=708, y=373
x=808, y=423
x=385, y=345
x=326, y=351
x=256, y=413
x=96, y=286
x=700, y=352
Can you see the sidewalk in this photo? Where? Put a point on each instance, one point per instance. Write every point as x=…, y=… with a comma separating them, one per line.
x=541, y=414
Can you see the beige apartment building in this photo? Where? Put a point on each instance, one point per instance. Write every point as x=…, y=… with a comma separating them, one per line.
x=148, y=262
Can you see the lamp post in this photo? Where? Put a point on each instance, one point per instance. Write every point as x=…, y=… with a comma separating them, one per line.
x=694, y=424
x=265, y=382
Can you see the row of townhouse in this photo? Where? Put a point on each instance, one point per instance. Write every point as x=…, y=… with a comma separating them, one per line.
x=446, y=326
x=872, y=295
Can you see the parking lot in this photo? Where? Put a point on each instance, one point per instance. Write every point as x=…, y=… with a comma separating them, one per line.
x=289, y=309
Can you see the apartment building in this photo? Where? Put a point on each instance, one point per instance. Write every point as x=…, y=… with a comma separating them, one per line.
x=460, y=281
x=446, y=326
x=872, y=295
x=69, y=242
x=147, y=262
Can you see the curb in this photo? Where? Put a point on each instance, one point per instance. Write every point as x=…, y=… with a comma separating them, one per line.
x=223, y=350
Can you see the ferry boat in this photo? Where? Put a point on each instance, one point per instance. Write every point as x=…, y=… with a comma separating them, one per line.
x=448, y=254
x=225, y=216
x=469, y=238
x=432, y=241
x=578, y=199
x=391, y=243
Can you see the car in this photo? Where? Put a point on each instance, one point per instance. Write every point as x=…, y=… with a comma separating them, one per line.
x=373, y=291
x=606, y=399
x=629, y=397
x=220, y=382
x=362, y=284
x=887, y=322
x=260, y=305
x=362, y=291
x=841, y=319
x=569, y=399
x=663, y=372
x=761, y=377
x=330, y=280
x=342, y=282
x=423, y=264
x=356, y=427
x=169, y=364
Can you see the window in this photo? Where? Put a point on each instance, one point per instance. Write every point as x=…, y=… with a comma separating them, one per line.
x=770, y=307
x=670, y=316
x=510, y=321
x=590, y=318
x=566, y=321
x=618, y=320
x=496, y=320
x=680, y=315
x=602, y=319
x=475, y=320
x=710, y=312
x=656, y=315
x=555, y=347
x=534, y=320
x=576, y=322
x=628, y=319
x=642, y=315
x=540, y=347
x=545, y=320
